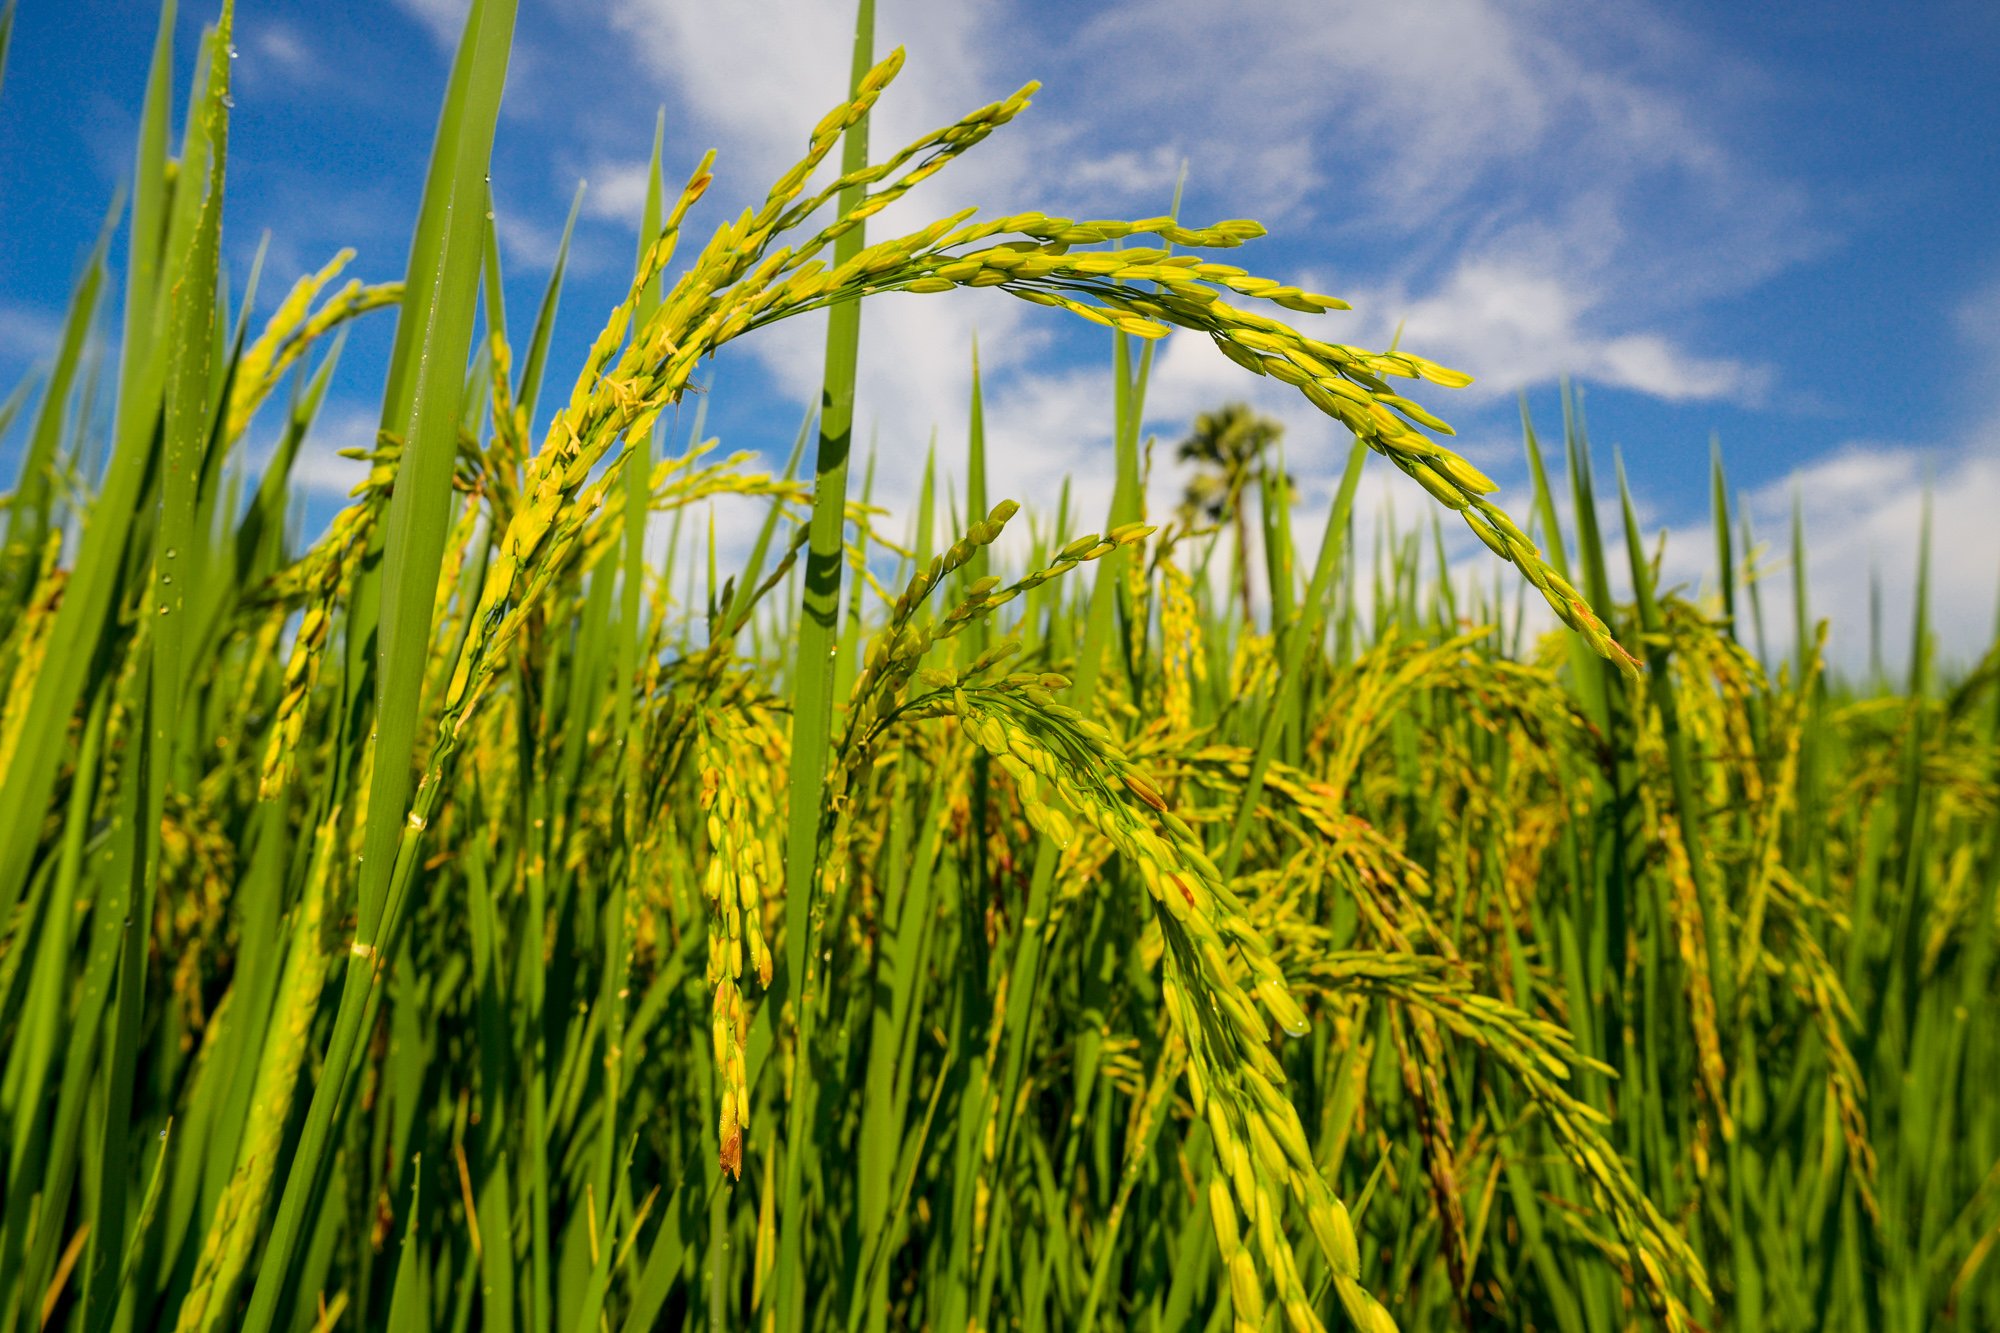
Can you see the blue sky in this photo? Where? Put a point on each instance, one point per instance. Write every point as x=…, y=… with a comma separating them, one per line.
x=1772, y=222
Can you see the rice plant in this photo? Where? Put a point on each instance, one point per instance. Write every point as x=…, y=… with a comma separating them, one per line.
x=441, y=919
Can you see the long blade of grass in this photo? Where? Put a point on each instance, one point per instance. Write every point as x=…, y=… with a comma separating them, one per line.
x=812, y=718
x=435, y=352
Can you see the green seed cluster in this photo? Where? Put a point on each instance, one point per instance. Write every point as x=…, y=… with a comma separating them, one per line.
x=734, y=884
x=28, y=643
x=1539, y=1054
x=293, y=328
x=230, y=1242
x=1066, y=766
x=322, y=579
x=1182, y=662
x=1347, y=383
x=895, y=654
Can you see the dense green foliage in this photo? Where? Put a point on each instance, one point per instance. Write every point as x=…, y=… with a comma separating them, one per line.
x=465, y=916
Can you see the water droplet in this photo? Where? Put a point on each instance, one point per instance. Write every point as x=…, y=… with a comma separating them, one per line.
x=232, y=51
x=228, y=101
x=171, y=553
x=163, y=1136
x=489, y=215
x=163, y=608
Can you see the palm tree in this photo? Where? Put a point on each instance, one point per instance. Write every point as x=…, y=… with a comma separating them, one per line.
x=1228, y=447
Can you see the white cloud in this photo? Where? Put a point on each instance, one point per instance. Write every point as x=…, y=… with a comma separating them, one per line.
x=524, y=241
x=1978, y=322
x=1545, y=166
x=763, y=74
x=1513, y=327
x=1128, y=174
x=444, y=18
x=616, y=192
x=1532, y=190
x=282, y=46
x=1863, y=513
x=1506, y=168
x=1862, y=509
x=29, y=335
x=319, y=470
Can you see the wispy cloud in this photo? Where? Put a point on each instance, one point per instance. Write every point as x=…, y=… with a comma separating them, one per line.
x=616, y=192
x=319, y=471
x=283, y=45
x=523, y=240
x=1526, y=190
x=755, y=78
x=1507, y=182
x=1514, y=327
x=1534, y=189
x=1863, y=510
x=1978, y=323
x=444, y=18
x=28, y=335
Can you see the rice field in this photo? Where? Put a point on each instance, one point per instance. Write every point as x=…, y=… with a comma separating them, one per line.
x=981, y=917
